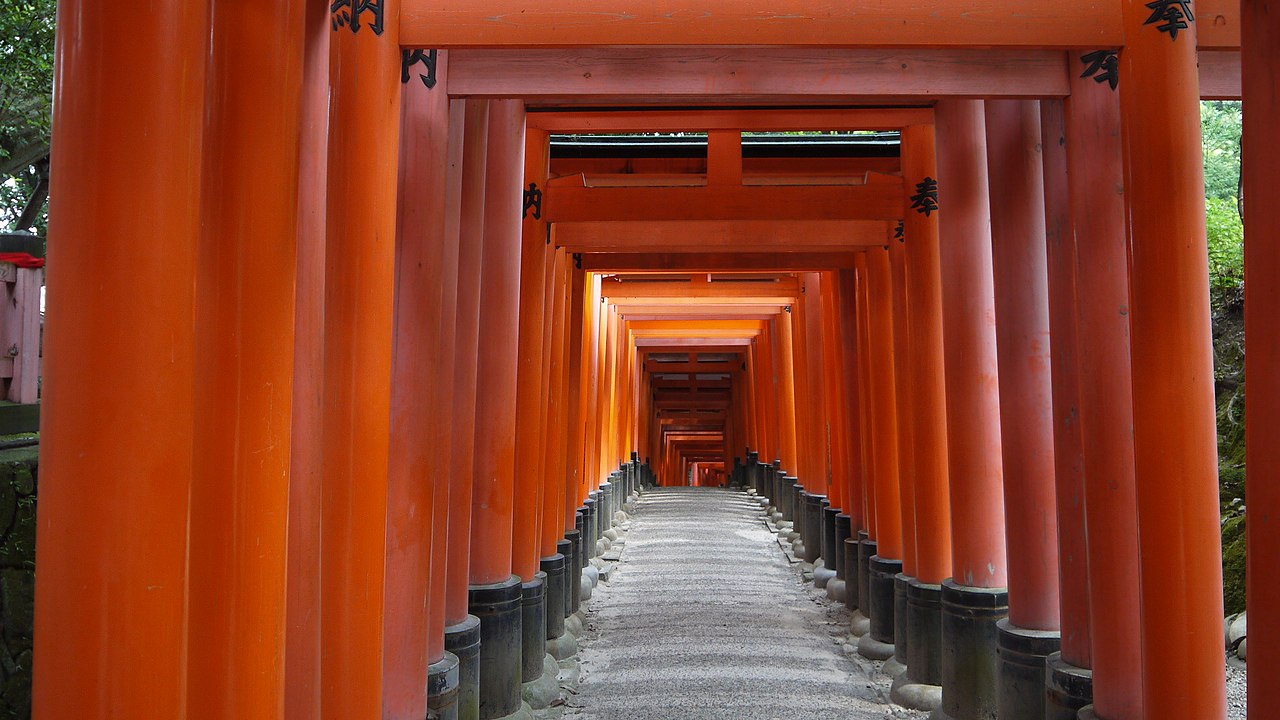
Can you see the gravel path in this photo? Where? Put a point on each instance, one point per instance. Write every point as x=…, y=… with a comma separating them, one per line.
x=705, y=618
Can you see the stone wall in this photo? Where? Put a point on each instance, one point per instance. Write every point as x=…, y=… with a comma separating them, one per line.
x=18, y=474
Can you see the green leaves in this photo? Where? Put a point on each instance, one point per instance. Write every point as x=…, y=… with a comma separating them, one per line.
x=26, y=99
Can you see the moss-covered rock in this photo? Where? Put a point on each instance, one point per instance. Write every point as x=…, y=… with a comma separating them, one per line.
x=1233, y=564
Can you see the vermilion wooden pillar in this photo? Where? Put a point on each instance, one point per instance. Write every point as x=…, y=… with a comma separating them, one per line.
x=975, y=598
x=1095, y=157
x=883, y=417
x=1175, y=437
x=491, y=528
x=120, y=367
x=928, y=421
x=787, y=396
x=244, y=318
x=1021, y=274
x=495, y=594
x=1261, y=60
x=466, y=344
x=530, y=379
x=575, y=421
x=302, y=632
x=364, y=117
x=866, y=382
x=928, y=391
x=1067, y=674
x=423, y=354
x=902, y=401
x=860, y=476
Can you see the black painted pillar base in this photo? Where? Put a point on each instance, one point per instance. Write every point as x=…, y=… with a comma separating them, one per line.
x=829, y=555
x=554, y=567
x=813, y=528
x=588, y=528
x=920, y=687
x=463, y=641
x=866, y=549
x=901, y=625
x=533, y=626
x=851, y=577
x=877, y=644
x=442, y=688
x=843, y=529
x=970, y=668
x=499, y=607
x=1022, y=655
x=607, y=504
x=882, y=574
x=1069, y=689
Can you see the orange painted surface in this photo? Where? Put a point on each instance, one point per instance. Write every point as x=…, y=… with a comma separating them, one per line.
x=1064, y=345
x=650, y=204
x=968, y=311
x=364, y=113
x=530, y=374
x=884, y=410
x=492, y=503
x=836, y=463
x=113, y=554
x=556, y=473
x=760, y=22
x=302, y=631
x=1262, y=273
x=928, y=390
x=820, y=472
x=866, y=407
x=423, y=353
x=781, y=119
x=1175, y=438
x=575, y=422
x=475, y=149
x=903, y=397
x=852, y=399
x=441, y=487
x=1021, y=274
x=787, y=394
x=247, y=260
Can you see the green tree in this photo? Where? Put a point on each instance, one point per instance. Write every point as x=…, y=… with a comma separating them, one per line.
x=26, y=91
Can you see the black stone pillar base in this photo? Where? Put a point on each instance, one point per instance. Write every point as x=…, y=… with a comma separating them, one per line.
x=866, y=549
x=813, y=528
x=533, y=626
x=970, y=668
x=588, y=528
x=442, y=688
x=554, y=567
x=920, y=687
x=829, y=556
x=499, y=608
x=1069, y=689
x=851, y=587
x=901, y=621
x=843, y=530
x=565, y=549
x=1022, y=655
x=882, y=574
x=607, y=505
x=574, y=569
x=463, y=641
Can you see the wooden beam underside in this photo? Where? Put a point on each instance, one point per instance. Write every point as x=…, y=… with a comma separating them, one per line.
x=647, y=76
x=775, y=260
x=881, y=201
x=779, y=120
x=750, y=292
x=814, y=23
x=774, y=240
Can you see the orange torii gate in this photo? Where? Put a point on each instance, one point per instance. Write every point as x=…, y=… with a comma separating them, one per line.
x=337, y=253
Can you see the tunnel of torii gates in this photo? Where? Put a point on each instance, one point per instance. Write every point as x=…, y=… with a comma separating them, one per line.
x=390, y=358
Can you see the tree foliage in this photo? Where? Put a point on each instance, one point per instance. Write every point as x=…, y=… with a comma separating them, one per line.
x=26, y=97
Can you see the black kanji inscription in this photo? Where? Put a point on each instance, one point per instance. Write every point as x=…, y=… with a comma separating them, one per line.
x=409, y=58
x=1103, y=66
x=348, y=14
x=925, y=201
x=533, y=199
x=1170, y=16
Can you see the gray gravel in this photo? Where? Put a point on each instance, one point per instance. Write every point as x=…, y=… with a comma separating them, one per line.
x=705, y=618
